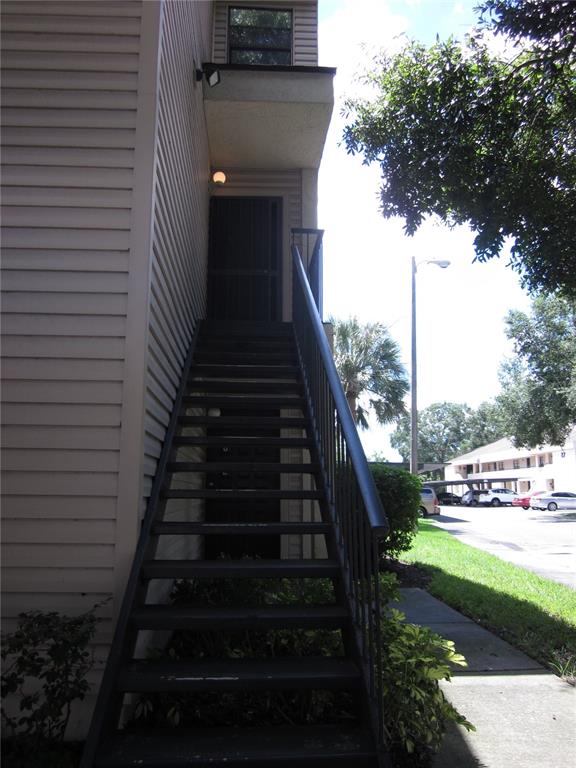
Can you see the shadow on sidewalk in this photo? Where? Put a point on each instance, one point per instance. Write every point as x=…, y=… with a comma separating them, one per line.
x=455, y=751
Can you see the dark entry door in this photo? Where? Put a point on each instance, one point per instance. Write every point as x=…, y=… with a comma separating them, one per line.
x=245, y=258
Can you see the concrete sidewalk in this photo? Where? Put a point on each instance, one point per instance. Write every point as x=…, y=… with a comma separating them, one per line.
x=525, y=716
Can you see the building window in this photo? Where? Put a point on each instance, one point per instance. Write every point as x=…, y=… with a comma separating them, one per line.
x=500, y=465
x=515, y=464
x=528, y=461
x=259, y=36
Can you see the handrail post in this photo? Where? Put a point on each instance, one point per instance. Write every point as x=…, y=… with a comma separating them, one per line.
x=312, y=257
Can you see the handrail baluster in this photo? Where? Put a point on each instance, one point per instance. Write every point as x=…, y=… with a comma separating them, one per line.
x=353, y=501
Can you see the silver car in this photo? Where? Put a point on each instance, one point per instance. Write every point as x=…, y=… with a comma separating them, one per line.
x=428, y=502
x=555, y=500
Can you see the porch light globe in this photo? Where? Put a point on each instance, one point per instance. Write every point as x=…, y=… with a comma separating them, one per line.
x=219, y=177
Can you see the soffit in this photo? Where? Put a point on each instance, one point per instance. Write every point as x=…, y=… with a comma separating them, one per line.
x=266, y=119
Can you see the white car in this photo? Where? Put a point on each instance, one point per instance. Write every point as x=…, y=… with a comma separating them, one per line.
x=554, y=500
x=496, y=497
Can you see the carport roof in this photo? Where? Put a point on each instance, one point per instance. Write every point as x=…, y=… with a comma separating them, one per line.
x=493, y=481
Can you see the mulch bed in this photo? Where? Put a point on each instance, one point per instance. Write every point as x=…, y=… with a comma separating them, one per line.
x=408, y=575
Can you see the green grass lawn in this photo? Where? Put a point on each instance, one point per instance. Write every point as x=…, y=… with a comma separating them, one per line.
x=534, y=614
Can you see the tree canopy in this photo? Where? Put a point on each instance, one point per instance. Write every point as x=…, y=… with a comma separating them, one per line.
x=538, y=396
x=470, y=137
x=368, y=363
x=447, y=429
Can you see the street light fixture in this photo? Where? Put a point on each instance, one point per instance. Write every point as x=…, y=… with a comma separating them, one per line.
x=442, y=263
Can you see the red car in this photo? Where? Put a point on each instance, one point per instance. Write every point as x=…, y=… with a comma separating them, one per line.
x=525, y=500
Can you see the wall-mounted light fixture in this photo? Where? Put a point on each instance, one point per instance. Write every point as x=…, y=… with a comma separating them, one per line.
x=219, y=177
x=211, y=73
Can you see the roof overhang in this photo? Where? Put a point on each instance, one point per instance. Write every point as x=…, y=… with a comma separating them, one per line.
x=268, y=117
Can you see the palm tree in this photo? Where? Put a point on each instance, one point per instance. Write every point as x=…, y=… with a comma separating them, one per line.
x=368, y=363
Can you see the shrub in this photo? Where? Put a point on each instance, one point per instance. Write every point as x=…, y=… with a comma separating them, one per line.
x=416, y=711
x=399, y=493
x=45, y=663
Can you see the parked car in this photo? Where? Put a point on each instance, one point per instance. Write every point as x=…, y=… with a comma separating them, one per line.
x=525, y=500
x=445, y=497
x=429, y=502
x=496, y=497
x=555, y=500
x=471, y=498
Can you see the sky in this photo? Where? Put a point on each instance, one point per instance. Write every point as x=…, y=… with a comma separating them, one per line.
x=461, y=338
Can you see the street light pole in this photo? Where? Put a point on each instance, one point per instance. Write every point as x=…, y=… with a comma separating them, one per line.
x=442, y=263
x=413, y=385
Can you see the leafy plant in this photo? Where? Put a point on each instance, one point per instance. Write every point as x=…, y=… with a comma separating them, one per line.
x=399, y=493
x=45, y=664
x=416, y=711
x=466, y=136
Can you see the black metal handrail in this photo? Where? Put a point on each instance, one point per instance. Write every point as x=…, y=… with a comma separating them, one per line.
x=354, y=504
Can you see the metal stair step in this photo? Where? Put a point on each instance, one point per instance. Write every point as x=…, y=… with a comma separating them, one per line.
x=255, y=345
x=231, y=619
x=282, y=422
x=236, y=747
x=233, y=529
x=243, y=401
x=235, y=467
x=189, y=569
x=245, y=371
x=243, y=357
x=238, y=494
x=243, y=440
x=247, y=387
x=239, y=674
x=231, y=441
x=246, y=329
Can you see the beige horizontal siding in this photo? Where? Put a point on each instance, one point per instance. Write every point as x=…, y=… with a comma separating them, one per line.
x=304, y=30
x=70, y=91
x=30, y=117
x=101, y=138
x=20, y=460
x=23, y=391
x=72, y=372
x=24, y=507
x=55, y=41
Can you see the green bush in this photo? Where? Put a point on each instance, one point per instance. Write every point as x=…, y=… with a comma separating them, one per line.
x=45, y=663
x=416, y=711
x=399, y=493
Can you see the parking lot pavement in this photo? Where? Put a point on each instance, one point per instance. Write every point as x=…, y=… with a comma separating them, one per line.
x=538, y=540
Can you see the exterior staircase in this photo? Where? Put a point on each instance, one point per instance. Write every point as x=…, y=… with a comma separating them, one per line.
x=237, y=574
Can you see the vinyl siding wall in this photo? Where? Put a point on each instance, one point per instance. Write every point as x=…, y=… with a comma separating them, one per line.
x=70, y=92
x=180, y=235
x=104, y=247
x=304, y=32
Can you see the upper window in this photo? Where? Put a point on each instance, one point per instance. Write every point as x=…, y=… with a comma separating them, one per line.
x=260, y=36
